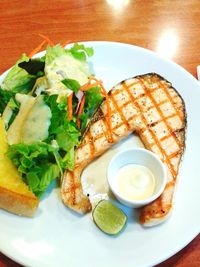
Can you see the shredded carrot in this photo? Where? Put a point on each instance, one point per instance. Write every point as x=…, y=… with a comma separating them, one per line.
x=66, y=43
x=37, y=49
x=94, y=79
x=46, y=39
x=70, y=108
x=81, y=105
x=78, y=122
x=87, y=86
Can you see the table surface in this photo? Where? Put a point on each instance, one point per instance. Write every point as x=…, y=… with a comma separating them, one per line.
x=171, y=28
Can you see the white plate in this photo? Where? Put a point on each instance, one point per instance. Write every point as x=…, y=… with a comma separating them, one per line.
x=58, y=237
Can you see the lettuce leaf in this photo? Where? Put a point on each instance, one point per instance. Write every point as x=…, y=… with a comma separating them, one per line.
x=33, y=66
x=80, y=52
x=54, y=52
x=5, y=97
x=37, y=164
x=41, y=179
x=19, y=80
x=7, y=101
x=59, y=114
x=72, y=84
x=69, y=159
x=65, y=132
x=93, y=100
x=67, y=136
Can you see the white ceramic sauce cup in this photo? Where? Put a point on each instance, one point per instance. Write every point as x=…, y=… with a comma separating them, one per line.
x=142, y=157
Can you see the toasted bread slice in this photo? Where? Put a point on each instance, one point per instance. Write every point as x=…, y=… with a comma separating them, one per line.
x=15, y=195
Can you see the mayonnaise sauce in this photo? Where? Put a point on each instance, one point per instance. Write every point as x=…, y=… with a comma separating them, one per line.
x=135, y=182
x=65, y=66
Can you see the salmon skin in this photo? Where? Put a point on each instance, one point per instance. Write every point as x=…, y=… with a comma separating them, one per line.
x=149, y=106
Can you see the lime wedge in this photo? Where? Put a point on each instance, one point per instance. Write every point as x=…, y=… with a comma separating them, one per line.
x=108, y=217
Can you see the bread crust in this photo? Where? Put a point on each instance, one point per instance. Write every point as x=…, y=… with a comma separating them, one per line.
x=17, y=203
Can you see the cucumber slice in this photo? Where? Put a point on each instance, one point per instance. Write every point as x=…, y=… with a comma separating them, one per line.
x=109, y=218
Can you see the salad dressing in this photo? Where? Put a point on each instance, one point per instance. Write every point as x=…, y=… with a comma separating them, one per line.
x=14, y=131
x=37, y=123
x=63, y=67
x=135, y=182
x=32, y=122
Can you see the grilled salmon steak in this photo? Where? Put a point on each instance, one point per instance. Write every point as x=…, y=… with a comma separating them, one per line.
x=149, y=106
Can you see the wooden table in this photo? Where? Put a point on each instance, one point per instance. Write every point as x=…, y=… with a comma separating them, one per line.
x=170, y=28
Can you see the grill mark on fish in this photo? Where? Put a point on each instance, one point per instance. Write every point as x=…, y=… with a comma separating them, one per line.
x=156, y=141
x=91, y=143
x=136, y=104
x=108, y=132
x=120, y=112
x=159, y=110
x=154, y=135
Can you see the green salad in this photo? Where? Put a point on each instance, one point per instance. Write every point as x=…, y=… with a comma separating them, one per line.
x=46, y=111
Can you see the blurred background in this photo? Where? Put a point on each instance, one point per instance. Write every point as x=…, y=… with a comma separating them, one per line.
x=168, y=27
